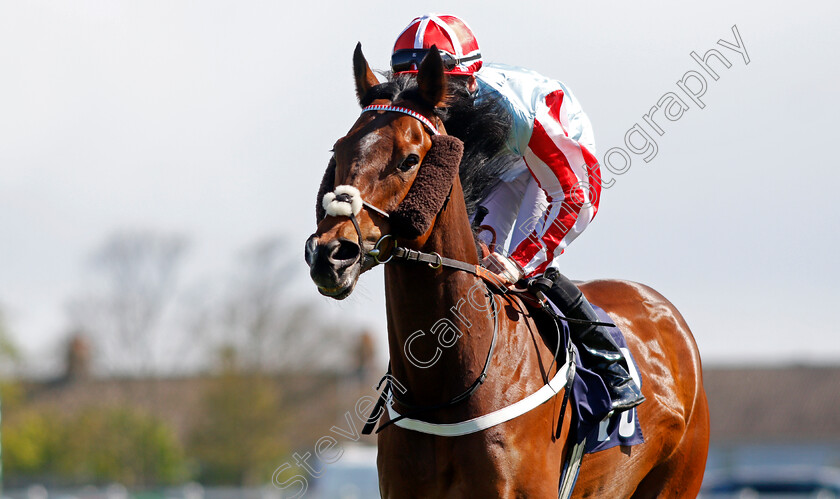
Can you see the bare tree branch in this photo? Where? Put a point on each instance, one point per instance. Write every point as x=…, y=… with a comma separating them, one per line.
x=137, y=273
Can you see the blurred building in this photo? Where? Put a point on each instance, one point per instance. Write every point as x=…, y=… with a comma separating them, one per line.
x=762, y=416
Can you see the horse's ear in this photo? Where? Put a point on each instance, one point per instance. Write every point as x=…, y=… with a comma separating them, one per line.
x=431, y=79
x=365, y=79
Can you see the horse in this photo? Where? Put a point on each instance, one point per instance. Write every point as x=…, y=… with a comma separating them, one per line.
x=495, y=356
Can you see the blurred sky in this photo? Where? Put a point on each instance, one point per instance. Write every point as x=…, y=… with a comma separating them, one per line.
x=215, y=119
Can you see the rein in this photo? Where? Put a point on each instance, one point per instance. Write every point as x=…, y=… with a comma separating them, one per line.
x=435, y=261
x=347, y=201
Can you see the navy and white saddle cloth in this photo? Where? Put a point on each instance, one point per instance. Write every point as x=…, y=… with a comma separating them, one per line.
x=591, y=402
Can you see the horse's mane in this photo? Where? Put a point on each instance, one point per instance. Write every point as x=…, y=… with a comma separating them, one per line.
x=483, y=126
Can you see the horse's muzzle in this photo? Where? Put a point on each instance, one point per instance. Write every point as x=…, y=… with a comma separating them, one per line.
x=334, y=266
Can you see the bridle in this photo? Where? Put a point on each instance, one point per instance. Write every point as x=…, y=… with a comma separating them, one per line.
x=347, y=201
x=410, y=112
x=352, y=202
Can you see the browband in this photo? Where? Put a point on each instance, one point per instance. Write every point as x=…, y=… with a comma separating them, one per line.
x=404, y=110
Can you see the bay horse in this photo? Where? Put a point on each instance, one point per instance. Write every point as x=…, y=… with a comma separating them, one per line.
x=377, y=163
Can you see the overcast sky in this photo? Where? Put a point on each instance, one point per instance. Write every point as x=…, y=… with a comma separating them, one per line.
x=214, y=119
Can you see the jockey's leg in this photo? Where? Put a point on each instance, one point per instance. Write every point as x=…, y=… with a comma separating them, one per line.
x=502, y=204
x=597, y=348
x=523, y=190
x=531, y=213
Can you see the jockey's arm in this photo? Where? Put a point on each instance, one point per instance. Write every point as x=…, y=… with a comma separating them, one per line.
x=566, y=172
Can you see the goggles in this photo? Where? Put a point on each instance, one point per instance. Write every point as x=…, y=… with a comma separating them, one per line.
x=410, y=59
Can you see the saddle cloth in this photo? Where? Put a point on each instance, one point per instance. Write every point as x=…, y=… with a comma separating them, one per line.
x=591, y=402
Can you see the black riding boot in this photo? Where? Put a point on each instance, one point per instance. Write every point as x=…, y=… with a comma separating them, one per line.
x=597, y=348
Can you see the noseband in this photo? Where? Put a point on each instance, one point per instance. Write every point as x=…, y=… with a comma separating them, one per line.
x=347, y=201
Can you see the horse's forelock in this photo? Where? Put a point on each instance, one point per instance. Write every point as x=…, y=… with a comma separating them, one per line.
x=388, y=91
x=482, y=125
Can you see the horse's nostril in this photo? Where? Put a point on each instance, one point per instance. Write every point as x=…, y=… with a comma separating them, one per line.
x=310, y=249
x=344, y=251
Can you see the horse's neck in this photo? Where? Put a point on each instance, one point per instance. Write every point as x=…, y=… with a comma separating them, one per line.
x=420, y=298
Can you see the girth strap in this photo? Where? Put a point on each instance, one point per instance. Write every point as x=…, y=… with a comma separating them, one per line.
x=562, y=379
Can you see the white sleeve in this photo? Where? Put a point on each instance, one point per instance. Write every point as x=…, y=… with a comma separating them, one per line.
x=580, y=128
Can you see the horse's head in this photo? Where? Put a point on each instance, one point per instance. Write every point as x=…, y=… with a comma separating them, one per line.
x=389, y=175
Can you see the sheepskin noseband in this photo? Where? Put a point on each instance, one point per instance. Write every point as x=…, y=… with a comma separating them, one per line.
x=414, y=215
x=344, y=201
x=431, y=186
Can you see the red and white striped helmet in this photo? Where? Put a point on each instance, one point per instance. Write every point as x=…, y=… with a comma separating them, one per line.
x=453, y=38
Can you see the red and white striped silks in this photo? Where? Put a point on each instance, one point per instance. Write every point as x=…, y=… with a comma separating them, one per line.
x=553, y=194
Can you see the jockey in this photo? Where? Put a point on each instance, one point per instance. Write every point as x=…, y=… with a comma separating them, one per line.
x=550, y=194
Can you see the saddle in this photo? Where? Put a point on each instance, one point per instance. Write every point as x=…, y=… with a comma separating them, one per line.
x=594, y=423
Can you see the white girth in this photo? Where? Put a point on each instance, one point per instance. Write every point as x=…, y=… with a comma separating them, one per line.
x=549, y=390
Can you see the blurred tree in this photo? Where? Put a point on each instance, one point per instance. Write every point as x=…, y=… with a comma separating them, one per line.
x=9, y=388
x=240, y=437
x=95, y=445
x=120, y=444
x=137, y=271
x=262, y=318
x=9, y=353
x=256, y=310
x=31, y=441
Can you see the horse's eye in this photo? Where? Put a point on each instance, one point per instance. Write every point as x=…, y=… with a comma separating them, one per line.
x=409, y=162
